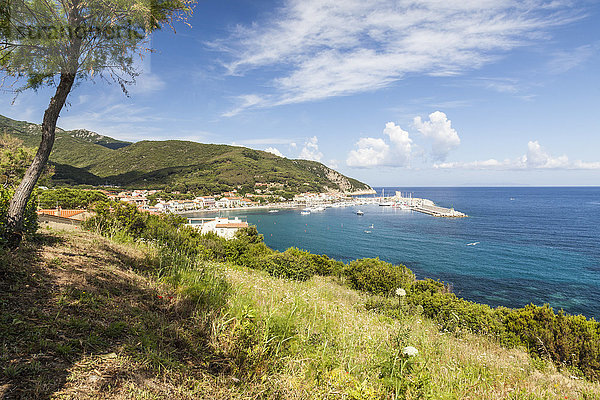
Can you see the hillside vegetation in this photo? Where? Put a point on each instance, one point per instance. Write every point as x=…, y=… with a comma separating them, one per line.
x=84, y=157
x=152, y=311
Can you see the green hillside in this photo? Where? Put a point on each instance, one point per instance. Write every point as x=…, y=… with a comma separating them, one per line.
x=85, y=157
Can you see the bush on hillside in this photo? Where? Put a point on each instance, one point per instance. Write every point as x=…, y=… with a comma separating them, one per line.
x=70, y=198
x=567, y=340
x=30, y=223
x=291, y=264
x=374, y=276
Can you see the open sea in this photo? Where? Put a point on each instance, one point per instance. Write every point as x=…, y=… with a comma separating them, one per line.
x=536, y=245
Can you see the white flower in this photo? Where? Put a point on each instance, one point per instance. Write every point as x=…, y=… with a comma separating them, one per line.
x=400, y=292
x=410, y=351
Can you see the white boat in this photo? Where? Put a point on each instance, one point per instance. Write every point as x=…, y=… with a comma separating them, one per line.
x=402, y=206
x=304, y=212
x=273, y=211
x=367, y=231
x=473, y=244
x=387, y=204
x=359, y=212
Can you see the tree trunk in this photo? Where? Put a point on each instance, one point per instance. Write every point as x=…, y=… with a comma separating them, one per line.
x=16, y=209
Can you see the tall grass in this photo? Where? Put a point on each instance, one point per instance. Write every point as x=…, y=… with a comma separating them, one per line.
x=258, y=330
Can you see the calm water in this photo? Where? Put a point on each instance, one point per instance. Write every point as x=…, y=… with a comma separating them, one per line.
x=537, y=245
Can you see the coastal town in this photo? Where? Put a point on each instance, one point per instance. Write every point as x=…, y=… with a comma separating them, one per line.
x=154, y=202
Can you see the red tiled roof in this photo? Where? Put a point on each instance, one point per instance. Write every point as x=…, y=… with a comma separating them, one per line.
x=61, y=213
x=233, y=225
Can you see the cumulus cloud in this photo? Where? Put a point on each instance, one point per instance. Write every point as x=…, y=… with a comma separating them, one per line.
x=402, y=143
x=439, y=129
x=371, y=152
x=535, y=158
x=325, y=48
x=538, y=158
x=274, y=150
x=310, y=151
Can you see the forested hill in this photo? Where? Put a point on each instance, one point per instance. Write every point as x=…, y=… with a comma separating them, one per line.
x=85, y=157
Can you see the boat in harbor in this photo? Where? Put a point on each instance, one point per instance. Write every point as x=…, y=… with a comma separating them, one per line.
x=384, y=203
x=304, y=212
x=273, y=211
x=359, y=212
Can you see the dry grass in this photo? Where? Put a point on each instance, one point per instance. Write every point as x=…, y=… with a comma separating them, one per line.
x=82, y=317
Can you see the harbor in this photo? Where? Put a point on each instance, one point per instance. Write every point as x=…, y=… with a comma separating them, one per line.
x=421, y=205
x=312, y=203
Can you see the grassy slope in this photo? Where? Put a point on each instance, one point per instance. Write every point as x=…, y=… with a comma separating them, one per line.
x=83, y=317
x=85, y=157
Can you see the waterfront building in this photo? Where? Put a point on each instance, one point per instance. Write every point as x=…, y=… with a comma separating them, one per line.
x=223, y=227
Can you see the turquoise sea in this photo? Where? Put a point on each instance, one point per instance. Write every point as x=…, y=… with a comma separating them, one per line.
x=536, y=245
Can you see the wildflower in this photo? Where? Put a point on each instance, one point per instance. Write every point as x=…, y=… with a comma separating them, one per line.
x=410, y=351
x=160, y=297
x=400, y=292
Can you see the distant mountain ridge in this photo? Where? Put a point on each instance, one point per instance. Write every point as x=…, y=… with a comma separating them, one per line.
x=85, y=157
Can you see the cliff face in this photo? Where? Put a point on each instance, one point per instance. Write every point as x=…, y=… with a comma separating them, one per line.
x=345, y=184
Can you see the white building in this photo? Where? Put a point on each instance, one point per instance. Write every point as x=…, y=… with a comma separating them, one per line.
x=223, y=227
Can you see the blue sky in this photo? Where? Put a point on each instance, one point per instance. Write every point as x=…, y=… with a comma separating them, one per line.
x=398, y=93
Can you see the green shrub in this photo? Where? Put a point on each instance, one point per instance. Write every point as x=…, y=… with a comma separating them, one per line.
x=30, y=223
x=567, y=340
x=291, y=264
x=70, y=198
x=256, y=256
x=377, y=277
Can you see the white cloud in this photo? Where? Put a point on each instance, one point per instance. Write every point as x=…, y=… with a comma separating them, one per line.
x=439, y=129
x=264, y=141
x=402, y=143
x=147, y=83
x=310, y=151
x=535, y=158
x=564, y=61
x=333, y=164
x=325, y=48
x=246, y=101
x=538, y=158
x=371, y=152
x=274, y=150
x=486, y=164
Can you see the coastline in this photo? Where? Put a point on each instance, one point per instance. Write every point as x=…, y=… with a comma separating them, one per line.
x=265, y=207
x=361, y=192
